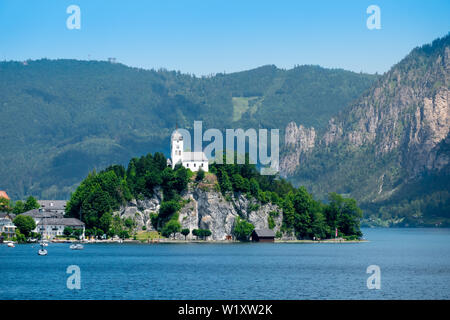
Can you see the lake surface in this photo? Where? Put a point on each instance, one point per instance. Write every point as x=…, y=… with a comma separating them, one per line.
x=414, y=264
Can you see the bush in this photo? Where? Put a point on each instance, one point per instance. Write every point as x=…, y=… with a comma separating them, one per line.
x=124, y=234
x=129, y=223
x=171, y=227
x=200, y=175
x=19, y=237
x=271, y=222
x=253, y=207
x=242, y=229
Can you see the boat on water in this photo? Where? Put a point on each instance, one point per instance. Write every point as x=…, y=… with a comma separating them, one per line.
x=44, y=243
x=11, y=244
x=76, y=246
x=42, y=251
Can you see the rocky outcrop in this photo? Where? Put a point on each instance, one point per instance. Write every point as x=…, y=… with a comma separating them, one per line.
x=206, y=209
x=298, y=141
x=393, y=135
x=140, y=210
x=429, y=127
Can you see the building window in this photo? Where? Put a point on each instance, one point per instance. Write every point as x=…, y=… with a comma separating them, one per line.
x=187, y=164
x=201, y=164
x=195, y=164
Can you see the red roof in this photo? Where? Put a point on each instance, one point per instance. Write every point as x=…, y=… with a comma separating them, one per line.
x=3, y=194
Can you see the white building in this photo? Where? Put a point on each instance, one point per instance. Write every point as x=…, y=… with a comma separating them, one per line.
x=58, y=206
x=190, y=160
x=52, y=227
x=7, y=228
x=51, y=223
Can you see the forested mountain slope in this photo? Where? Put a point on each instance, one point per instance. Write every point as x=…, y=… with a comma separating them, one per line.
x=62, y=118
x=389, y=149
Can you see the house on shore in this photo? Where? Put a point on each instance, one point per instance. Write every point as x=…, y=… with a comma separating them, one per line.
x=39, y=214
x=263, y=235
x=58, y=206
x=7, y=215
x=3, y=194
x=51, y=223
x=52, y=227
x=7, y=227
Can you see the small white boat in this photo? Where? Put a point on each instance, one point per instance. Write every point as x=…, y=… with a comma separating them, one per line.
x=76, y=246
x=42, y=251
x=11, y=244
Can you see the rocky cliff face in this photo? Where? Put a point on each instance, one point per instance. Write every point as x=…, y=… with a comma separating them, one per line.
x=205, y=209
x=396, y=132
x=298, y=141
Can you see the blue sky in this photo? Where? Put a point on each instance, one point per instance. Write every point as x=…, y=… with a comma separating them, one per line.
x=208, y=36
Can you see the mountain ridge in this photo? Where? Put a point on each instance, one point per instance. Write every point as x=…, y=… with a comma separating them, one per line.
x=63, y=118
x=393, y=137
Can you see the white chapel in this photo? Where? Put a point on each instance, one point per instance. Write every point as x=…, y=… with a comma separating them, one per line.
x=190, y=160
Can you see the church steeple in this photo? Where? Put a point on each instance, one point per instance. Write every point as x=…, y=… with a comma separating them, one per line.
x=176, y=147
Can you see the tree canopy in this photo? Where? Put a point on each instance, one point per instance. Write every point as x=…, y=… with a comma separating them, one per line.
x=100, y=194
x=25, y=224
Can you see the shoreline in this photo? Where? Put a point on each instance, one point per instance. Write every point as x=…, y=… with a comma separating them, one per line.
x=168, y=241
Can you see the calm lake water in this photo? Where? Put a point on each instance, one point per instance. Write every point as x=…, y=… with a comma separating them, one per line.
x=414, y=263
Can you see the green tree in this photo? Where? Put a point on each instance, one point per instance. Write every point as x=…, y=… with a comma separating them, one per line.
x=195, y=232
x=185, y=233
x=242, y=229
x=302, y=202
x=288, y=212
x=19, y=207
x=31, y=203
x=24, y=224
x=254, y=187
x=319, y=228
x=166, y=211
x=67, y=231
x=105, y=222
x=5, y=205
x=97, y=203
x=124, y=234
x=171, y=227
x=200, y=175
x=205, y=233
x=239, y=183
x=20, y=237
x=77, y=233
x=181, y=179
x=202, y=233
x=344, y=214
x=224, y=182
x=129, y=223
x=152, y=180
